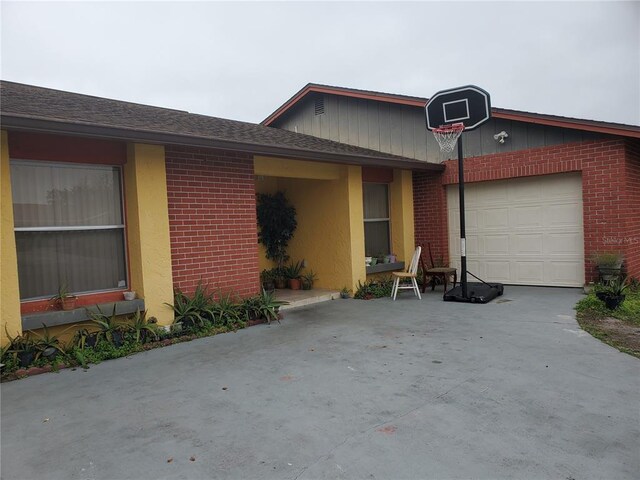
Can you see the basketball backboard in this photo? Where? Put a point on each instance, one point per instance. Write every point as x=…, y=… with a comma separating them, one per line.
x=469, y=105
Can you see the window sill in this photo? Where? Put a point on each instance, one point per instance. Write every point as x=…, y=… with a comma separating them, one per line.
x=54, y=318
x=385, y=267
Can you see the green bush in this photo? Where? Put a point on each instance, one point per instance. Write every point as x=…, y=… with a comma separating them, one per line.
x=374, y=288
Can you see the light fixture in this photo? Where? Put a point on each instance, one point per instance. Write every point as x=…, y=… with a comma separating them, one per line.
x=499, y=137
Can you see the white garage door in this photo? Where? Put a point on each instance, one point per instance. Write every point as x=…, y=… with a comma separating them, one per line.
x=524, y=231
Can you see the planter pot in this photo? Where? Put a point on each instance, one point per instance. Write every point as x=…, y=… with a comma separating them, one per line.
x=49, y=353
x=129, y=295
x=344, y=295
x=295, y=283
x=68, y=303
x=374, y=261
x=587, y=288
x=386, y=259
x=91, y=340
x=25, y=358
x=610, y=273
x=281, y=283
x=613, y=302
x=117, y=338
x=269, y=286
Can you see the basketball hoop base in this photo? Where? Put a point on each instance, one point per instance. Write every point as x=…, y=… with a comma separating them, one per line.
x=476, y=293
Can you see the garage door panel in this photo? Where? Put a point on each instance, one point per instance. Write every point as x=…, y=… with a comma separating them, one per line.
x=529, y=272
x=563, y=273
x=493, y=219
x=527, y=217
x=496, y=245
x=500, y=270
x=563, y=215
x=525, y=191
x=524, y=231
x=564, y=243
x=528, y=244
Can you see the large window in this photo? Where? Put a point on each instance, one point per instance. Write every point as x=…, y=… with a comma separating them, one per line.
x=69, y=227
x=376, y=219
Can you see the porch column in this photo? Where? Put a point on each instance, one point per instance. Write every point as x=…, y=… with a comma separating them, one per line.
x=9, y=288
x=356, y=225
x=402, y=221
x=148, y=229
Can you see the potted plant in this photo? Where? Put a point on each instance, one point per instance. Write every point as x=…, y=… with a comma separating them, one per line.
x=22, y=348
x=108, y=327
x=308, y=279
x=382, y=258
x=141, y=328
x=293, y=273
x=609, y=264
x=47, y=346
x=267, y=280
x=345, y=293
x=63, y=299
x=612, y=292
x=276, y=225
x=129, y=295
x=279, y=278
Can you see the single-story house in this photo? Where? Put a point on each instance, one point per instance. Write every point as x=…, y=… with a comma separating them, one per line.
x=108, y=196
x=543, y=193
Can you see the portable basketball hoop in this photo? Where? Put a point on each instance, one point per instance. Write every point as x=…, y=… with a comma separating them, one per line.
x=447, y=136
x=449, y=113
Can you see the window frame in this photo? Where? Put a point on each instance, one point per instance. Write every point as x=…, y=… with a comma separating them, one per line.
x=123, y=226
x=381, y=219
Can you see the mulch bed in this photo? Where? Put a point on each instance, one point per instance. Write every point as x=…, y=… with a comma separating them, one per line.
x=617, y=333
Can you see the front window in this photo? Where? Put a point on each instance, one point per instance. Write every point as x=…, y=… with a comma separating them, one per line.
x=69, y=227
x=376, y=219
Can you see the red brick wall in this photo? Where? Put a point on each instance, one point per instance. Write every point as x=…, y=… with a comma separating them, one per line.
x=430, y=215
x=212, y=219
x=632, y=203
x=608, y=188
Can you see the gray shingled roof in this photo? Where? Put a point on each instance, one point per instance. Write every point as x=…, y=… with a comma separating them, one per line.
x=33, y=108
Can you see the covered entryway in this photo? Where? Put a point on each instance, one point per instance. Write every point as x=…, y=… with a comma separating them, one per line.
x=522, y=231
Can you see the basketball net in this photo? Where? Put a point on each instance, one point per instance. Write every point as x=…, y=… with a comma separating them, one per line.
x=447, y=135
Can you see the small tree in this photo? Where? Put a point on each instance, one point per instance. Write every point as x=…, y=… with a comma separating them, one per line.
x=276, y=223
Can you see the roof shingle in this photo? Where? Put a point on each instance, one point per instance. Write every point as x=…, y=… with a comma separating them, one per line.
x=25, y=106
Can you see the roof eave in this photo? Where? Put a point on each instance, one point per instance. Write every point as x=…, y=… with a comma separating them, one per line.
x=14, y=122
x=535, y=118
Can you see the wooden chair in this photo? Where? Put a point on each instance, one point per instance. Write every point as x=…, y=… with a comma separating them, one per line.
x=437, y=272
x=410, y=274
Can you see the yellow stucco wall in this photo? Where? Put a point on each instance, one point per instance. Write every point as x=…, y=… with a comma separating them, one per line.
x=402, y=220
x=328, y=201
x=9, y=288
x=148, y=229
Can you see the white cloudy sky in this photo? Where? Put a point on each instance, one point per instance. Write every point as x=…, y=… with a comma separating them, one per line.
x=241, y=60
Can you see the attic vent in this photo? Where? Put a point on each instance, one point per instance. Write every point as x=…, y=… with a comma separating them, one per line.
x=319, y=106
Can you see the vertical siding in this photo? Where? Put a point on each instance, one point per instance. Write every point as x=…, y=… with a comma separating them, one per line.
x=401, y=129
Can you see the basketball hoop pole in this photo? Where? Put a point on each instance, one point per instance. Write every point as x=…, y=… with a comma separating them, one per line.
x=463, y=240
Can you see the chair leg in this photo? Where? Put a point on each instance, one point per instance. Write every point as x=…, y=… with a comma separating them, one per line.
x=394, y=290
x=416, y=288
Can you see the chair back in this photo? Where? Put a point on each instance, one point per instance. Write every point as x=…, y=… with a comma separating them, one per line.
x=413, y=267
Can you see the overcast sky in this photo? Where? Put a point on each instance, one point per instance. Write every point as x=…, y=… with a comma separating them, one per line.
x=242, y=60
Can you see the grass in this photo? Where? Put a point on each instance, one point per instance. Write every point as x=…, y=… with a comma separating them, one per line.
x=619, y=328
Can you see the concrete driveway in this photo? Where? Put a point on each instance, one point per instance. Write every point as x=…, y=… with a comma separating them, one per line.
x=346, y=389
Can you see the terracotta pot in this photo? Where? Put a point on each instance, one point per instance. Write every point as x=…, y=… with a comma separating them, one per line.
x=68, y=303
x=295, y=283
x=280, y=283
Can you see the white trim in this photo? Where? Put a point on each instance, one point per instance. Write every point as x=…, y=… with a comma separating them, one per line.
x=67, y=229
